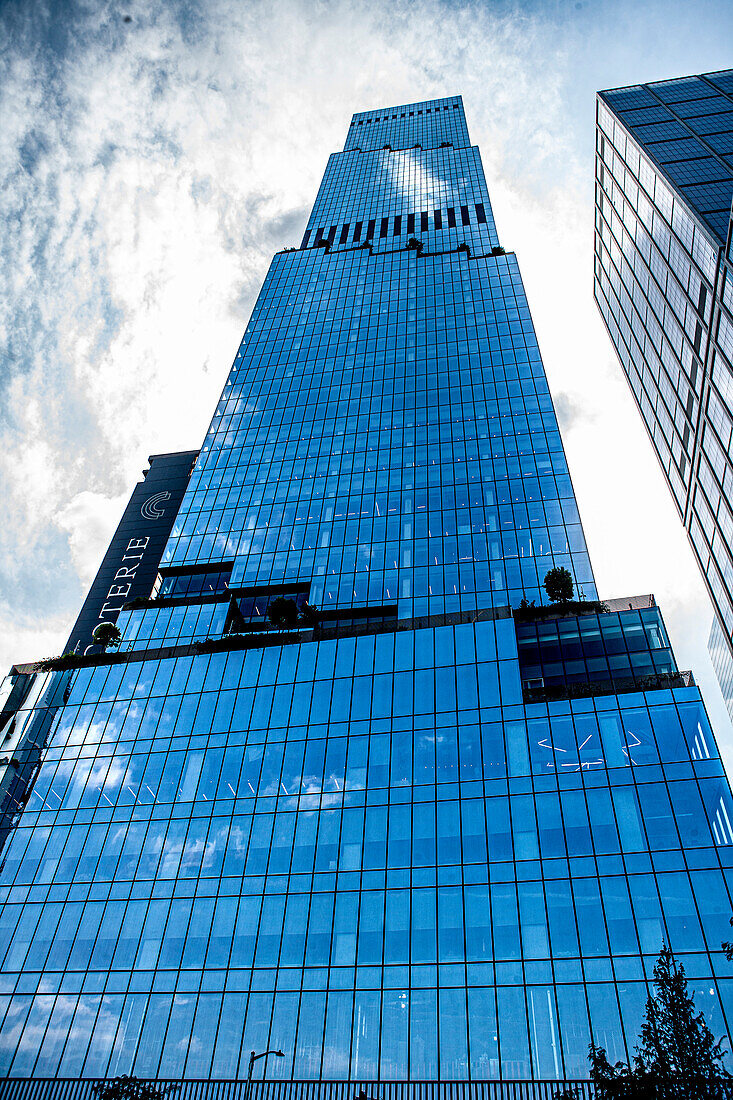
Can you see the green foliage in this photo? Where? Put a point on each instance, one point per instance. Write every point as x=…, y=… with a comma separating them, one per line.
x=574, y=608
x=283, y=612
x=558, y=584
x=107, y=635
x=309, y=615
x=677, y=1056
x=675, y=1041
x=132, y=1088
x=50, y=664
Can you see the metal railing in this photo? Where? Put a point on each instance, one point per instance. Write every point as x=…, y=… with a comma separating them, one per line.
x=58, y=1088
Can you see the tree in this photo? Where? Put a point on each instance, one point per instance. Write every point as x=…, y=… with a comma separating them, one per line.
x=132, y=1088
x=558, y=585
x=309, y=615
x=282, y=612
x=677, y=1057
x=107, y=635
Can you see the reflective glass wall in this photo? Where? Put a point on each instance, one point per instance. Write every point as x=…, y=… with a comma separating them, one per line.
x=375, y=840
x=664, y=185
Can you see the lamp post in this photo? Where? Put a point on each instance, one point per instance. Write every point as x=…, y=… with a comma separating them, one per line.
x=254, y=1056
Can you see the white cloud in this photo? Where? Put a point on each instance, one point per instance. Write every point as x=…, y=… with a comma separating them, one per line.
x=88, y=519
x=152, y=168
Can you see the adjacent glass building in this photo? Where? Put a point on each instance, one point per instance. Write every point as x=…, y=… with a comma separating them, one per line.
x=434, y=835
x=664, y=185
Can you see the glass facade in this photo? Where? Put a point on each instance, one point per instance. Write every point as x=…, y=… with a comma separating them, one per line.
x=722, y=659
x=664, y=185
x=433, y=835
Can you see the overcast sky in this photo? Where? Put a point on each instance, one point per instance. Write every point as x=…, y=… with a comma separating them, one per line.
x=154, y=155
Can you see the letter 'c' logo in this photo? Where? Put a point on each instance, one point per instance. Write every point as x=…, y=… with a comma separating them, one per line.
x=150, y=509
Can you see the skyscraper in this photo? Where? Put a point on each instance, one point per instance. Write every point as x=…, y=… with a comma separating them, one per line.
x=663, y=282
x=430, y=831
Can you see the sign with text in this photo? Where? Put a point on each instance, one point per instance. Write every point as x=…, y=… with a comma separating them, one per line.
x=130, y=566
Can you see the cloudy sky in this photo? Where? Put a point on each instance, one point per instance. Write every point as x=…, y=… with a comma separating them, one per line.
x=154, y=155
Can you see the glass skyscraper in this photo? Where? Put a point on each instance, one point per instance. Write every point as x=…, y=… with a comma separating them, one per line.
x=433, y=832
x=664, y=285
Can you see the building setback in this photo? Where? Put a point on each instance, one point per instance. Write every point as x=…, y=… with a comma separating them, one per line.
x=664, y=285
x=437, y=834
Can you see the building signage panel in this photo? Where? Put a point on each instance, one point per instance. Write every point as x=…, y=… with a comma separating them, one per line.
x=130, y=565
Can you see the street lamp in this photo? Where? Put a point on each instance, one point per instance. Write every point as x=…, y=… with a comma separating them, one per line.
x=254, y=1057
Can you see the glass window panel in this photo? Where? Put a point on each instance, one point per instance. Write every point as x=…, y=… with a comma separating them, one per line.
x=543, y=1032
x=55, y=1037
x=606, y=1022
x=343, y=949
x=103, y=1035
x=561, y=919
x=533, y=920
x=310, y=1035
x=294, y=930
x=423, y=1034
x=229, y=1039
x=270, y=931
x=423, y=947
x=128, y=1034
x=203, y=1035
x=282, y=1035
x=318, y=946
x=513, y=1040
x=397, y=926
x=483, y=1034
x=337, y=1035
x=153, y=1035
x=365, y=1036
x=670, y=739
x=27, y=1049
x=648, y=913
x=505, y=920
x=683, y=925
x=394, y=1062
x=453, y=1035
x=257, y=1029
x=591, y=925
